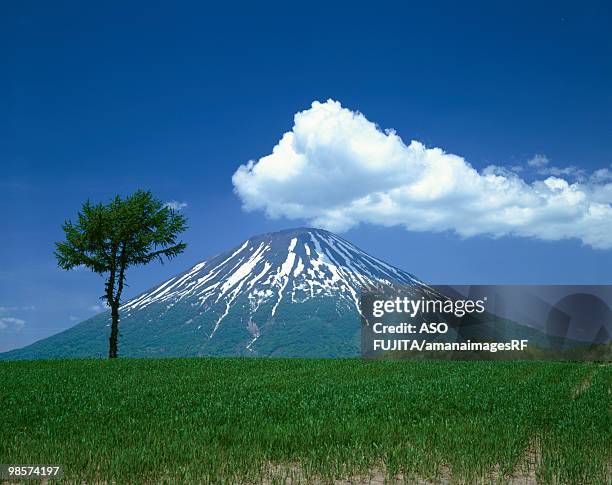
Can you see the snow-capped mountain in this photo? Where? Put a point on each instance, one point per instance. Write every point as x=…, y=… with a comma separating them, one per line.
x=294, y=292
x=294, y=266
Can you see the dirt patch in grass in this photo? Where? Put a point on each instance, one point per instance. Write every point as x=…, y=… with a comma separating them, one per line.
x=524, y=474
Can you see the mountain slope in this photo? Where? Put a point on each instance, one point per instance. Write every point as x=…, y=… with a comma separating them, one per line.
x=289, y=293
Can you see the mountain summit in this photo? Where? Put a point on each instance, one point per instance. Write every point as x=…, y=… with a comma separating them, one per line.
x=287, y=293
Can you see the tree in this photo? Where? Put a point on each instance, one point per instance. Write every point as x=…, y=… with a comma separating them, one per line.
x=110, y=238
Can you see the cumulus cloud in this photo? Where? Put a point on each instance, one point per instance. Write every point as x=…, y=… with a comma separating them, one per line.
x=336, y=169
x=538, y=161
x=543, y=168
x=541, y=165
x=602, y=175
x=176, y=205
x=11, y=323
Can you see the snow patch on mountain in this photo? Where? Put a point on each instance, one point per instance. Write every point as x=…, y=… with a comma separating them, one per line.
x=292, y=266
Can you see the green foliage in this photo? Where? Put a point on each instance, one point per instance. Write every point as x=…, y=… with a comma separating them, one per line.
x=110, y=238
x=227, y=421
x=129, y=232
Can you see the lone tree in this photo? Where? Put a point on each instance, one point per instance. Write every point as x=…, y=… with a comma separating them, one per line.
x=109, y=238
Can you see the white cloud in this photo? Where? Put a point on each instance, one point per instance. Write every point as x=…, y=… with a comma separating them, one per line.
x=541, y=163
x=10, y=309
x=98, y=308
x=73, y=318
x=601, y=175
x=175, y=205
x=538, y=161
x=336, y=169
x=8, y=323
x=571, y=172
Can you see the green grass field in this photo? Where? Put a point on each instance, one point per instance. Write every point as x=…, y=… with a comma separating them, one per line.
x=266, y=420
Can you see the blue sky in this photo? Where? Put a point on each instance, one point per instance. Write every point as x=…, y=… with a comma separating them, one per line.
x=105, y=99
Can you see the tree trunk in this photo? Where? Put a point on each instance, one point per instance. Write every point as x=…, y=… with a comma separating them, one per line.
x=112, y=341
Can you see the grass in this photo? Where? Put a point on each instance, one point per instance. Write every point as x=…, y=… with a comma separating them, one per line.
x=260, y=420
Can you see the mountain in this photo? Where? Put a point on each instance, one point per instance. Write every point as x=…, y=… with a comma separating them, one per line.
x=288, y=293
